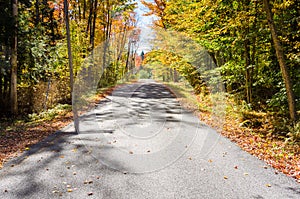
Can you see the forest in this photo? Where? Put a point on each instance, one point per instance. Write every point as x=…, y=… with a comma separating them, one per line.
x=36, y=67
x=255, y=45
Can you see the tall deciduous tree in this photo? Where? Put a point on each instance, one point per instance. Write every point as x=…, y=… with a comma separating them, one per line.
x=281, y=60
x=13, y=59
x=66, y=11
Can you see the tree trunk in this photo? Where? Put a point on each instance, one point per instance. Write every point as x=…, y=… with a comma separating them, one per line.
x=175, y=76
x=94, y=24
x=14, y=63
x=37, y=12
x=281, y=60
x=84, y=8
x=66, y=11
x=248, y=75
x=89, y=24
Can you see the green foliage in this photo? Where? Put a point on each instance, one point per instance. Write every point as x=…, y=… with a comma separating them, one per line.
x=237, y=37
x=59, y=110
x=144, y=74
x=294, y=132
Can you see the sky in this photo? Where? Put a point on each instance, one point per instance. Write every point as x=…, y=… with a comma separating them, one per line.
x=144, y=23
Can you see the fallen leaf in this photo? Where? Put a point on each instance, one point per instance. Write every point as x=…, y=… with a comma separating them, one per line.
x=88, y=182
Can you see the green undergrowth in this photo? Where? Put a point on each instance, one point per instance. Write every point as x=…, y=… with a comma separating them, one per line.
x=264, y=123
x=185, y=93
x=58, y=110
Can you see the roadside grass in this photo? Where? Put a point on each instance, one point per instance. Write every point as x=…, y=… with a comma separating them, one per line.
x=265, y=135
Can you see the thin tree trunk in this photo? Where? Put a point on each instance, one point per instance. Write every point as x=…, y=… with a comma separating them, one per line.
x=37, y=12
x=88, y=28
x=52, y=27
x=127, y=58
x=14, y=64
x=1, y=88
x=79, y=11
x=248, y=74
x=175, y=75
x=281, y=60
x=84, y=8
x=94, y=24
x=66, y=11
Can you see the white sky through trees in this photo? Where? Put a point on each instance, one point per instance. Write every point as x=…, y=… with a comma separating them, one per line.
x=144, y=23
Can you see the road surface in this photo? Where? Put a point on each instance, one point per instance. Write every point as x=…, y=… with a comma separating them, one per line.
x=140, y=143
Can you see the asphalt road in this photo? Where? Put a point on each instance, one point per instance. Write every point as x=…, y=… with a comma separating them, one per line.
x=140, y=143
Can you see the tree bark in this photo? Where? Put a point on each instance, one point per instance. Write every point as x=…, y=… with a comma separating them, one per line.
x=281, y=60
x=13, y=60
x=66, y=11
x=248, y=75
x=37, y=12
x=175, y=75
x=94, y=24
x=84, y=9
